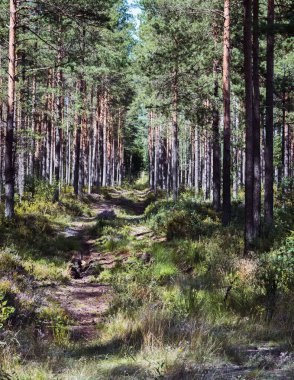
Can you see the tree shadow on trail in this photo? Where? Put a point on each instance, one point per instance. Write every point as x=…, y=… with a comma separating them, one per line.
x=135, y=207
x=113, y=347
x=36, y=237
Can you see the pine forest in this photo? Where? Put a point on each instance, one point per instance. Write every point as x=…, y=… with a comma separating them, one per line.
x=146, y=189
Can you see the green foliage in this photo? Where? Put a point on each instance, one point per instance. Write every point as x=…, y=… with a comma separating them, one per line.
x=58, y=322
x=163, y=271
x=185, y=219
x=39, y=188
x=5, y=310
x=114, y=240
x=277, y=266
x=45, y=269
x=106, y=276
x=10, y=262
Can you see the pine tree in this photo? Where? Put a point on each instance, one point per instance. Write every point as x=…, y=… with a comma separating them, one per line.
x=227, y=118
x=9, y=139
x=268, y=159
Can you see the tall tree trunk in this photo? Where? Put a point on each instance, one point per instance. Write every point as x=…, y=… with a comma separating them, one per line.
x=35, y=154
x=156, y=157
x=285, y=139
x=84, y=140
x=196, y=159
x=121, y=156
x=104, y=146
x=164, y=159
x=236, y=153
x=151, y=151
x=78, y=144
x=175, y=140
x=161, y=162
x=58, y=138
x=268, y=154
x=249, y=179
x=97, y=141
x=52, y=131
x=20, y=126
x=68, y=145
x=169, y=162
x=256, y=124
x=92, y=144
x=9, y=139
x=208, y=170
x=227, y=118
x=216, y=139
x=287, y=151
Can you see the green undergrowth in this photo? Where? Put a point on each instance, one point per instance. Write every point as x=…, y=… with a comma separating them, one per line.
x=34, y=231
x=34, y=255
x=184, y=295
x=198, y=292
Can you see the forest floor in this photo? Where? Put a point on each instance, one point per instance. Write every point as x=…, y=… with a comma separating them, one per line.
x=149, y=300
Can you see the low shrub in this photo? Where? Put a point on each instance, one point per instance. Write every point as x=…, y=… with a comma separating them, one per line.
x=163, y=272
x=10, y=262
x=55, y=318
x=185, y=219
x=5, y=310
x=276, y=274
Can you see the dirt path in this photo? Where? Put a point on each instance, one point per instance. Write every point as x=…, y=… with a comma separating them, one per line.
x=85, y=301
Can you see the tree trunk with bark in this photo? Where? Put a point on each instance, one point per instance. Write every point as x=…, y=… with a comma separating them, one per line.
x=249, y=164
x=268, y=154
x=256, y=124
x=77, y=189
x=9, y=138
x=227, y=118
x=216, y=140
x=175, y=142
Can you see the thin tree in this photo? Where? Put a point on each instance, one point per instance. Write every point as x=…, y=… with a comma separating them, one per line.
x=77, y=181
x=227, y=118
x=256, y=123
x=59, y=134
x=175, y=142
x=249, y=179
x=216, y=138
x=268, y=151
x=9, y=139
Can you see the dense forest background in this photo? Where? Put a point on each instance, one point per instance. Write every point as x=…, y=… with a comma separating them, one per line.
x=199, y=98
x=146, y=189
